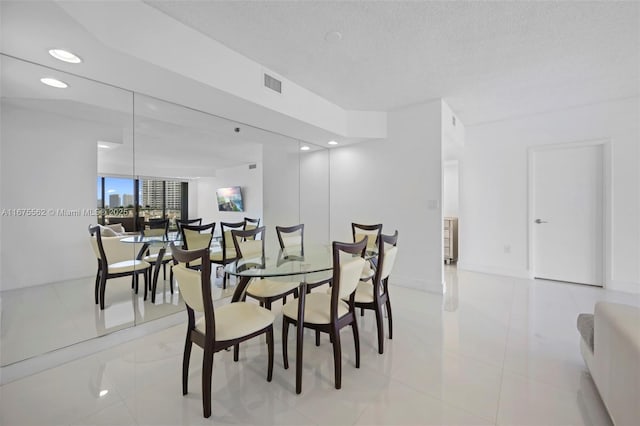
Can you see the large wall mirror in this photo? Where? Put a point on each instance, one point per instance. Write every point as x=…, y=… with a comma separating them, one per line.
x=94, y=154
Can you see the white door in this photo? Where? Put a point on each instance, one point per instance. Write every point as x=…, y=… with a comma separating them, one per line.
x=567, y=222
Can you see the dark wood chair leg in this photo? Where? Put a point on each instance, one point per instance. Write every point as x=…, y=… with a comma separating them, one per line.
x=380, y=326
x=236, y=352
x=317, y=337
x=207, y=370
x=103, y=286
x=270, y=350
x=390, y=318
x=285, y=335
x=97, y=289
x=171, y=278
x=356, y=340
x=337, y=356
x=361, y=312
x=185, y=364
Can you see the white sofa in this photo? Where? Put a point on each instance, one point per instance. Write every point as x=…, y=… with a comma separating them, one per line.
x=610, y=347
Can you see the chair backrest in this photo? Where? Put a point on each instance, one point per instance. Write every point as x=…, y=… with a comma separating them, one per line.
x=251, y=223
x=348, y=260
x=387, y=253
x=196, y=237
x=372, y=231
x=249, y=243
x=180, y=222
x=156, y=228
x=110, y=249
x=291, y=236
x=227, y=239
x=195, y=285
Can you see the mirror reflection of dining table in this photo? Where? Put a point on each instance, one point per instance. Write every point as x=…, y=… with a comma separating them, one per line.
x=312, y=264
x=160, y=241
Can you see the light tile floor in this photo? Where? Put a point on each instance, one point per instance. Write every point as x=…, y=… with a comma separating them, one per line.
x=493, y=350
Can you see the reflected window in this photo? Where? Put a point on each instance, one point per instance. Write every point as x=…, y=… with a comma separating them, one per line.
x=120, y=200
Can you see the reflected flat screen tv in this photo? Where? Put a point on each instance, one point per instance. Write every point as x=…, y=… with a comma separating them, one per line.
x=230, y=199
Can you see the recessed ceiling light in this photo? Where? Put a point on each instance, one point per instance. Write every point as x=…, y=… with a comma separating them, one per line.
x=304, y=148
x=103, y=392
x=103, y=146
x=65, y=56
x=53, y=82
x=333, y=36
x=333, y=143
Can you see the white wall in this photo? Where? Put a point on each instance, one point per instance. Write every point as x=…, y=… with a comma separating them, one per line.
x=396, y=182
x=450, y=192
x=314, y=196
x=493, y=187
x=48, y=162
x=281, y=188
x=203, y=192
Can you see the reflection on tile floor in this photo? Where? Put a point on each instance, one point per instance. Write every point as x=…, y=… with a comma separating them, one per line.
x=493, y=350
x=40, y=319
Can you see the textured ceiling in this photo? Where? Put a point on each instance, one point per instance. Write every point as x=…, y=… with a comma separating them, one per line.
x=488, y=60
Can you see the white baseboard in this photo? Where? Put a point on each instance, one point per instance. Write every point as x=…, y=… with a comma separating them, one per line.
x=495, y=270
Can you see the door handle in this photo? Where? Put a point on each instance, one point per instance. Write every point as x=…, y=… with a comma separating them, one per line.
x=541, y=221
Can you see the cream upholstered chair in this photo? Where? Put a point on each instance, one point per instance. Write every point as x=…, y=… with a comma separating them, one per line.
x=291, y=239
x=374, y=294
x=218, y=328
x=115, y=259
x=250, y=245
x=180, y=222
x=227, y=254
x=359, y=231
x=158, y=228
x=250, y=224
x=328, y=313
x=196, y=237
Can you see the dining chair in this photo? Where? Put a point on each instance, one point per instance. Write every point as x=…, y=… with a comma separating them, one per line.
x=250, y=244
x=180, y=222
x=328, y=313
x=218, y=328
x=292, y=238
x=250, y=224
x=374, y=294
x=197, y=237
x=115, y=260
x=158, y=228
x=373, y=232
x=227, y=254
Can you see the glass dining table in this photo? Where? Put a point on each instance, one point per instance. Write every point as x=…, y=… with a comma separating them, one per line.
x=313, y=264
x=160, y=241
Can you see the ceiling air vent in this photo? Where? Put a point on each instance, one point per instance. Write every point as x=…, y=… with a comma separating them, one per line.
x=252, y=166
x=272, y=83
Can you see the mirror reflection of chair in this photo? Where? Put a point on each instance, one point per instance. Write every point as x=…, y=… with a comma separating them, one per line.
x=359, y=231
x=218, y=328
x=115, y=260
x=158, y=228
x=328, y=313
x=374, y=294
x=227, y=253
x=250, y=244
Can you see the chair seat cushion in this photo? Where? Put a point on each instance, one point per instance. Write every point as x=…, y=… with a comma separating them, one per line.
x=237, y=320
x=364, y=292
x=153, y=257
x=216, y=256
x=128, y=266
x=367, y=272
x=270, y=288
x=316, y=308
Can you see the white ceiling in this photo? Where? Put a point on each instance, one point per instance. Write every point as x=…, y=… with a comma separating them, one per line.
x=488, y=60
